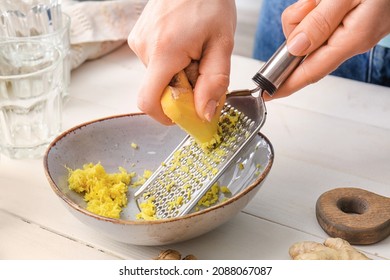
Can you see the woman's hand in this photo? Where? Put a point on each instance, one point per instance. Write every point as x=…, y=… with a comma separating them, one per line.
x=169, y=35
x=330, y=31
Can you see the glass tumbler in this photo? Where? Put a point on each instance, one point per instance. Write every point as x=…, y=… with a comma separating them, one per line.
x=31, y=89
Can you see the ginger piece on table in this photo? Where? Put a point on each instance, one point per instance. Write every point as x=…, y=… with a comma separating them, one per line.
x=331, y=249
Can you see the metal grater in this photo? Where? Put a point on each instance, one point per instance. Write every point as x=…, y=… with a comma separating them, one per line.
x=189, y=172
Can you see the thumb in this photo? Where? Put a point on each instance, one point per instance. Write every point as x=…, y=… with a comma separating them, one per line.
x=213, y=79
x=317, y=26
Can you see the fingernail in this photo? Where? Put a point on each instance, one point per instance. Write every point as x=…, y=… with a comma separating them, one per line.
x=209, y=110
x=298, y=44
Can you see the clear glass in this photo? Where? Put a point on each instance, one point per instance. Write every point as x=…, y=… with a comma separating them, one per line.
x=31, y=88
x=23, y=18
x=40, y=20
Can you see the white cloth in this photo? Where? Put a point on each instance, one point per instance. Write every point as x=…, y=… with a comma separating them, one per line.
x=99, y=27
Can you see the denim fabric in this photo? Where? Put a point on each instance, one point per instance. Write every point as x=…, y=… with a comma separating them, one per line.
x=371, y=67
x=380, y=66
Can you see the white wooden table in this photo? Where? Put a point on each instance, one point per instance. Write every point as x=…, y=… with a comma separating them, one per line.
x=331, y=134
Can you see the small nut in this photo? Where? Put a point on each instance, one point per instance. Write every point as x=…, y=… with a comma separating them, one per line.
x=190, y=257
x=169, y=255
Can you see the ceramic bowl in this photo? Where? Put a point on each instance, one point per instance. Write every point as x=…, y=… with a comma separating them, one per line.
x=108, y=141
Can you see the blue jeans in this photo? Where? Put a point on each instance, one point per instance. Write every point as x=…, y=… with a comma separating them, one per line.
x=371, y=67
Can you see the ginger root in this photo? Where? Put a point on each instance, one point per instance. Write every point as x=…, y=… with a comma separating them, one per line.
x=177, y=102
x=331, y=249
x=170, y=254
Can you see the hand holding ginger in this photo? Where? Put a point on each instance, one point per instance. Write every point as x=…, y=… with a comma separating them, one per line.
x=171, y=34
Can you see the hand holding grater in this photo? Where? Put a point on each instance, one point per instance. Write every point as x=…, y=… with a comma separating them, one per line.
x=189, y=172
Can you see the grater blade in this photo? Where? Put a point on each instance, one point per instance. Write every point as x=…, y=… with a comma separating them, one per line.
x=189, y=172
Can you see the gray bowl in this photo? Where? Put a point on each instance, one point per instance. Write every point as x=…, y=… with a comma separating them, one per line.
x=108, y=141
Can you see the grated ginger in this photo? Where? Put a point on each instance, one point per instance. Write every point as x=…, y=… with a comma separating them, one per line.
x=148, y=210
x=183, y=162
x=142, y=179
x=104, y=193
x=211, y=197
x=134, y=145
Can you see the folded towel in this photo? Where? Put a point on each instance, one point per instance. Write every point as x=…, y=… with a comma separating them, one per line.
x=99, y=27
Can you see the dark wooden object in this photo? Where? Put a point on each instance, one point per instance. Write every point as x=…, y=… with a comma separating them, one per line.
x=355, y=215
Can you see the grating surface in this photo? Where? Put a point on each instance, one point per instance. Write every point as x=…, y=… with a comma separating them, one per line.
x=189, y=172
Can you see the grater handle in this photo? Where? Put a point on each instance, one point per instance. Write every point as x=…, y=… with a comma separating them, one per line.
x=277, y=69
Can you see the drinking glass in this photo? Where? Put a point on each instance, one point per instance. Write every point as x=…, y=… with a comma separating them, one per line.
x=31, y=88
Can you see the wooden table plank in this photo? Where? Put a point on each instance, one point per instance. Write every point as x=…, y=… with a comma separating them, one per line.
x=21, y=240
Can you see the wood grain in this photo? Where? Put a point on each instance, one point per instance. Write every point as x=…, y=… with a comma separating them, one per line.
x=353, y=214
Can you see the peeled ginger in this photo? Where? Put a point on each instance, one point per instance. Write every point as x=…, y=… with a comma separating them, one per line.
x=178, y=104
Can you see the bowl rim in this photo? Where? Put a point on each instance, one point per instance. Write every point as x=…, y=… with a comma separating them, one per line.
x=82, y=210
